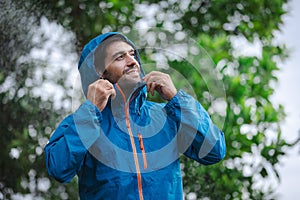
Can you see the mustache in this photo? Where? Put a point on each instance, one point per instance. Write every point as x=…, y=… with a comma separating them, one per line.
x=130, y=68
x=108, y=76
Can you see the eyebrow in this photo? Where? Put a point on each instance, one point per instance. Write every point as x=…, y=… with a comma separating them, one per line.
x=115, y=55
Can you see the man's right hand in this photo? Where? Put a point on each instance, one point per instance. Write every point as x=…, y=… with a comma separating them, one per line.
x=99, y=92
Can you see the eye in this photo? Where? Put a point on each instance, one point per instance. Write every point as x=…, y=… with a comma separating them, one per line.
x=121, y=57
x=132, y=54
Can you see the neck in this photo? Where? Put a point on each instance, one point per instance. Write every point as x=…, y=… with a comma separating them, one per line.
x=125, y=91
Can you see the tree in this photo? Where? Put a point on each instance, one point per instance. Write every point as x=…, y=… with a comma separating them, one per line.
x=252, y=123
x=26, y=117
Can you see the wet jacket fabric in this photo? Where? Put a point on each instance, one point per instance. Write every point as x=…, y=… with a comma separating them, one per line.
x=131, y=149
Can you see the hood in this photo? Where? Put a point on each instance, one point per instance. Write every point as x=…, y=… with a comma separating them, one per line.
x=86, y=65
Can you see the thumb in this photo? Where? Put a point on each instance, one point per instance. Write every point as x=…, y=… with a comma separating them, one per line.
x=113, y=93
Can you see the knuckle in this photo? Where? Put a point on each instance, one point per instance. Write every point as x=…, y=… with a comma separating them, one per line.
x=91, y=87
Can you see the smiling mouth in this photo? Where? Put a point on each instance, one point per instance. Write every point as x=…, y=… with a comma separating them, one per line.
x=130, y=70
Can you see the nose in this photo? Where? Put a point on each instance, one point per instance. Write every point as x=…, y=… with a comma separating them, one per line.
x=130, y=60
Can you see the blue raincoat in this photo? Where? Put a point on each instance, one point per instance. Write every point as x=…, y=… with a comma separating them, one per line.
x=131, y=149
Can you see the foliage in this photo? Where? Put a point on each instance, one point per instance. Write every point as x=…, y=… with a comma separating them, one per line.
x=252, y=125
x=26, y=118
x=88, y=18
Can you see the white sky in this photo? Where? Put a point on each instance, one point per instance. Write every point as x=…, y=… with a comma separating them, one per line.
x=288, y=94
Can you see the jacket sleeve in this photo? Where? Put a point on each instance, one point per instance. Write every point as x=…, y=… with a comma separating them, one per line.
x=67, y=147
x=198, y=138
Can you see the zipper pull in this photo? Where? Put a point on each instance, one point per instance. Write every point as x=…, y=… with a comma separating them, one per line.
x=143, y=150
x=141, y=141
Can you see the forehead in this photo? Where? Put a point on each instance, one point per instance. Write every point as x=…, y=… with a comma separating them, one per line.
x=118, y=47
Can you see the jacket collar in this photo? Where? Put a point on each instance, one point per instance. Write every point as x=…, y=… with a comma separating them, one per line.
x=135, y=101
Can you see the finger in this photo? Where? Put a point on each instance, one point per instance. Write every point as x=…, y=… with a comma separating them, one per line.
x=113, y=93
x=145, y=78
x=152, y=88
x=104, y=87
x=109, y=88
x=149, y=79
x=149, y=76
x=148, y=83
x=106, y=84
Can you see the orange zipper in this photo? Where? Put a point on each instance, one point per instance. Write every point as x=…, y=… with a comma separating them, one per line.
x=136, y=161
x=143, y=150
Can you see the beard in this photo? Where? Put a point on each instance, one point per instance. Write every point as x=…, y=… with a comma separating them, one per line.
x=110, y=77
x=127, y=78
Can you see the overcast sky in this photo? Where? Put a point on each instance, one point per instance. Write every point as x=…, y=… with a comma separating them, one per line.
x=288, y=94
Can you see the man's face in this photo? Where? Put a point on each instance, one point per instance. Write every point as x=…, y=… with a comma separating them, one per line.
x=121, y=65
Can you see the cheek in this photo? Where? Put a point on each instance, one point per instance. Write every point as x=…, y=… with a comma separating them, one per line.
x=117, y=71
x=115, y=68
x=114, y=73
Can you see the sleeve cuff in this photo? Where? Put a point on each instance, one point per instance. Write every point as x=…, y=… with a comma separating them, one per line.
x=87, y=122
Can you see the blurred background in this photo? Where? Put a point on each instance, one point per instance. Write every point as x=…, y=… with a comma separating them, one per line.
x=284, y=93
x=252, y=45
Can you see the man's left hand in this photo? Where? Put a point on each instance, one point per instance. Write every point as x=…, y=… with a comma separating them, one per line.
x=162, y=83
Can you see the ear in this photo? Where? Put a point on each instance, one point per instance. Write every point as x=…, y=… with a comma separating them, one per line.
x=99, y=72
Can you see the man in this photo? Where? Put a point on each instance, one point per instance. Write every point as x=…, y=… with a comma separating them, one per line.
x=120, y=145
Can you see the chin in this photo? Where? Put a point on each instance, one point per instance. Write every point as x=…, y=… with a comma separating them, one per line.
x=129, y=82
